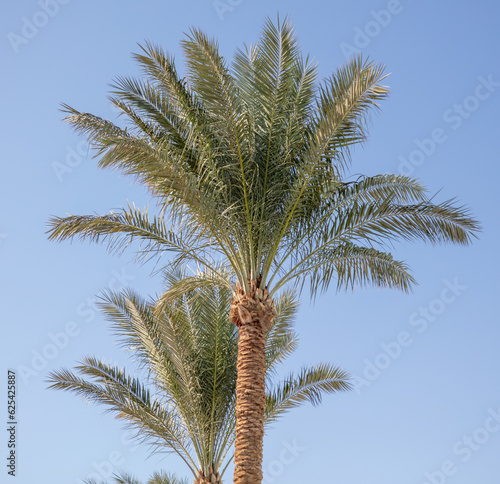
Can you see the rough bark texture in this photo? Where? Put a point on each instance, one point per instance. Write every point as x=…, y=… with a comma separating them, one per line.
x=253, y=313
x=211, y=478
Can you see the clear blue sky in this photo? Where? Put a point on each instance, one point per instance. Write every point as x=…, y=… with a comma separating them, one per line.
x=425, y=406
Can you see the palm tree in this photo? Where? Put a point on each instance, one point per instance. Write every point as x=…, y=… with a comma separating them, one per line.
x=249, y=162
x=184, y=400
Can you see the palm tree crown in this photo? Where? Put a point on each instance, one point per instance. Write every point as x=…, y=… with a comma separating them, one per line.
x=249, y=164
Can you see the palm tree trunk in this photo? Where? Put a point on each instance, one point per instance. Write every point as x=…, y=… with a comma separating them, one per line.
x=253, y=313
x=212, y=478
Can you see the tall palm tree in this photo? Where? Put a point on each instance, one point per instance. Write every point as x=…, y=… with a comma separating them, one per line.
x=185, y=397
x=249, y=163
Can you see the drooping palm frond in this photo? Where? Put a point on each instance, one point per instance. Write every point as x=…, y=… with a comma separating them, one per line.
x=350, y=265
x=129, y=225
x=130, y=401
x=308, y=386
x=281, y=340
x=399, y=188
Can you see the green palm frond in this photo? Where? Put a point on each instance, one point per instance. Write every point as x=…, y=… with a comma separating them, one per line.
x=353, y=265
x=345, y=101
x=215, y=87
x=151, y=118
x=130, y=401
x=270, y=84
x=159, y=68
x=151, y=342
x=136, y=156
x=383, y=221
x=189, y=352
x=281, y=340
x=350, y=265
x=166, y=349
x=308, y=386
x=100, y=133
x=121, y=229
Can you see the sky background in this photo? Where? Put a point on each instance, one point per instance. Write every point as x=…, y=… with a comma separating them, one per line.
x=426, y=365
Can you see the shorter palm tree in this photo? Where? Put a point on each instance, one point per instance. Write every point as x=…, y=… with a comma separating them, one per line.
x=185, y=400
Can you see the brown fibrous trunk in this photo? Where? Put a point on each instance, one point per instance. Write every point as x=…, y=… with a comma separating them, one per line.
x=210, y=478
x=253, y=313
